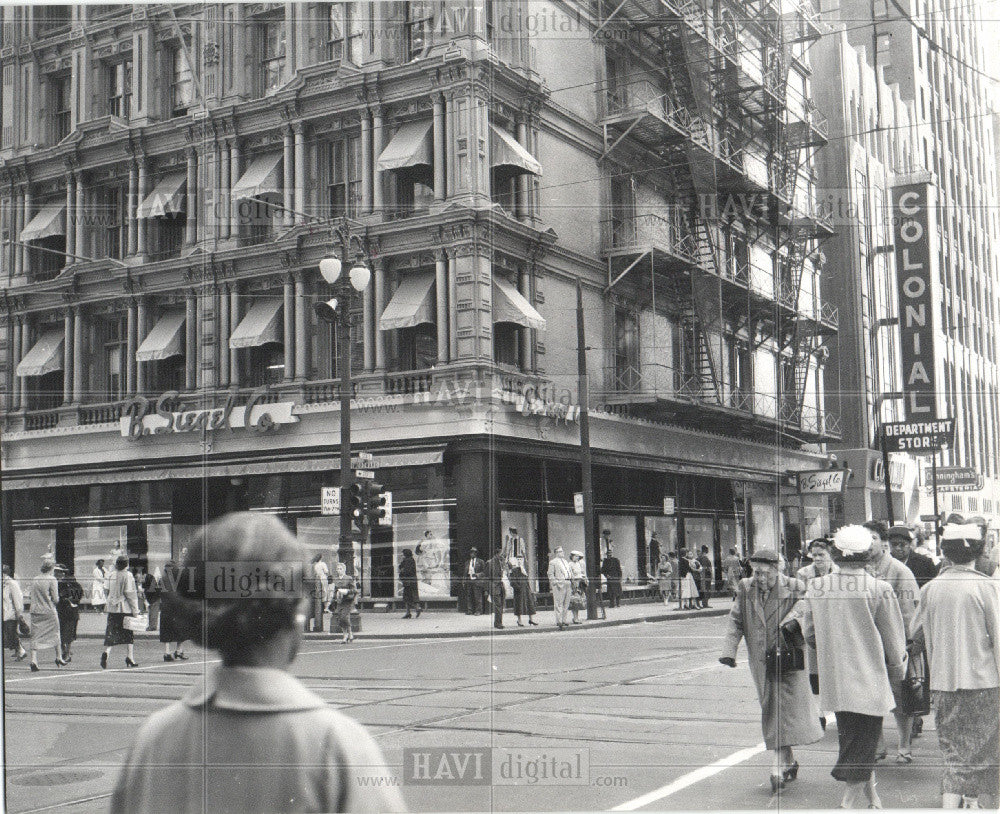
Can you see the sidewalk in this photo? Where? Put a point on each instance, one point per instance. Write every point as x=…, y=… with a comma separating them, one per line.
x=451, y=623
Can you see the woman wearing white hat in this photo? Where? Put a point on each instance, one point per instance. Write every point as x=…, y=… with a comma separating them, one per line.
x=578, y=583
x=854, y=621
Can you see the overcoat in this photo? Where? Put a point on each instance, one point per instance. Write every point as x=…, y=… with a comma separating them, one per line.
x=856, y=625
x=789, y=715
x=44, y=613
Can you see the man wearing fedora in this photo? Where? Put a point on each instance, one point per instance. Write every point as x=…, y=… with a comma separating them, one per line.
x=560, y=575
x=474, y=584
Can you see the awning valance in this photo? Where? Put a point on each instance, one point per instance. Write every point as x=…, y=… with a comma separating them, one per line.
x=411, y=303
x=167, y=197
x=165, y=340
x=48, y=221
x=260, y=325
x=509, y=305
x=508, y=154
x=44, y=357
x=409, y=148
x=262, y=177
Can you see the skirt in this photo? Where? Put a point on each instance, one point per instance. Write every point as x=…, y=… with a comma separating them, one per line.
x=44, y=630
x=342, y=616
x=115, y=633
x=969, y=735
x=68, y=620
x=411, y=593
x=858, y=735
x=169, y=628
x=689, y=588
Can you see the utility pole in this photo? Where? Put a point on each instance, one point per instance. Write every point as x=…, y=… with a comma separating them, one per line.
x=590, y=544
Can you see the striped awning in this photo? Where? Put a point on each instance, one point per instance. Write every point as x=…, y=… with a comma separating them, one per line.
x=45, y=356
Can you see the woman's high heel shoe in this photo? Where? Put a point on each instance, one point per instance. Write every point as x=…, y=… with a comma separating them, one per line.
x=791, y=772
x=130, y=663
x=533, y=622
x=61, y=662
x=34, y=667
x=777, y=782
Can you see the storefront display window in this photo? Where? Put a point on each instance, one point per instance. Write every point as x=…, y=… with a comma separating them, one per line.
x=526, y=524
x=731, y=536
x=565, y=530
x=623, y=537
x=158, y=547
x=665, y=529
x=427, y=535
x=29, y=546
x=321, y=535
x=93, y=543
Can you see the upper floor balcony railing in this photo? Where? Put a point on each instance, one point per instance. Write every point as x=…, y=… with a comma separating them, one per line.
x=647, y=231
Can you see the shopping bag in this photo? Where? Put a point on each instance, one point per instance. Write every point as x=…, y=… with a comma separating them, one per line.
x=140, y=622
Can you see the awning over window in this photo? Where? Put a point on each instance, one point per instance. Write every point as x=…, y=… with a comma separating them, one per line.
x=508, y=154
x=509, y=305
x=165, y=340
x=167, y=197
x=262, y=177
x=49, y=221
x=411, y=304
x=260, y=325
x=409, y=148
x=45, y=357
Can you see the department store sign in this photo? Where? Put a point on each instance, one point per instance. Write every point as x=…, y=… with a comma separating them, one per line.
x=142, y=416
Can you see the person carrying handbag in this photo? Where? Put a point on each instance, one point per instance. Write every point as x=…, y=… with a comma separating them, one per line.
x=123, y=600
x=578, y=582
x=13, y=614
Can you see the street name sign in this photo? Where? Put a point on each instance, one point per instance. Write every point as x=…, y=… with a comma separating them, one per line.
x=367, y=474
x=329, y=500
x=918, y=436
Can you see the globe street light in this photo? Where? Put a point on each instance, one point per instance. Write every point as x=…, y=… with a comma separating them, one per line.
x=337, y=311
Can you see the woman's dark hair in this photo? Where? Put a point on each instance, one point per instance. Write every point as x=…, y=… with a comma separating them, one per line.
x=819, y=542
x=877, y=527
x=121, y=563
x=959, y=553
x=407, y=553
x=213, y=607
x=99, y=564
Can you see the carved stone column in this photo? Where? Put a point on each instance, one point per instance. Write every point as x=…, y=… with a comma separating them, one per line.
x=289, y=324
x=142, y=225
x=78, y=218
x=289, y=180
x=131, y=343
x=368, y=326
x=70, y=219
x=234, y=321
x=366, y=163
x=301, y=329
x=190, y=342
x=380, y=345
x=191, y=232
x=141, y=321
x=133, y=203
x=225, y=198
x=79, y=374
x=440, y=162
x=222, y=299
x=68, y=334
x=16, y=355
x=234, y=177
x=527, y=334
x=300, y=166
x=378, y=177
x=441, y=296
x=26, y=262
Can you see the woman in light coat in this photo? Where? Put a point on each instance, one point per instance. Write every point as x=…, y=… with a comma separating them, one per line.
x=249, y=736
x=789, y=716
x=45, y=614
x=123, y=600
x=854, y=621
x=98, y=594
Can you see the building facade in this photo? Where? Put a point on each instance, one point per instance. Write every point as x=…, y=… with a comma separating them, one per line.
x=872, y=134
x=935, y=53
x=168, y=175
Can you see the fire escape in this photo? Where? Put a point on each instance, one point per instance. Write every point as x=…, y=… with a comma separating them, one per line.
x=712, y=122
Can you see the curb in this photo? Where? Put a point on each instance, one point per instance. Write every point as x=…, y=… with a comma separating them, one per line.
x=490, y=631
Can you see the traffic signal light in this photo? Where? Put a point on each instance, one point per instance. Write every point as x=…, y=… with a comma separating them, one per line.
x=374, y=503
x=356, y=504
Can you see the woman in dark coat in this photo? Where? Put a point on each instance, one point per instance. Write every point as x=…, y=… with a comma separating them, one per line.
x=524, y=597
x=68, y=609
x=170, y=633
x=408, y=577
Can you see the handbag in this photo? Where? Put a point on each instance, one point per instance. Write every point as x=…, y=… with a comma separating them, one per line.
x=785, y=657
x=915, y=695
x=23, y=628
x=576, y=601
x=138, y=622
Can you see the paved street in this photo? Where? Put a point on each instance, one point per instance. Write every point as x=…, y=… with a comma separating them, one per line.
x=661, y=725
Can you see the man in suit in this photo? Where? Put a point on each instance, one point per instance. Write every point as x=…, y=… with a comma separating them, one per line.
x=493, y=580
x=612, y=570
x=559, y=582
x=707, y=575
x=475, y=584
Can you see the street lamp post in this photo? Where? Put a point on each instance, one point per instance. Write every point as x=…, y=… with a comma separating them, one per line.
x=338, y=312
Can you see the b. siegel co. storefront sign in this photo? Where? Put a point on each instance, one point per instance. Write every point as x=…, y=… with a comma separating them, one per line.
x=141, y=416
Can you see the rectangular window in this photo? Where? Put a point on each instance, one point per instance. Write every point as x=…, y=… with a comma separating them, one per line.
x=623, y=223
x=417, y=26
x=120, y=89
x=627, y=376
x=166, y=236
x=272, y=55
x=115, y=222
x=345, y=177
x=181, y=83
x=62, y=112
x=344, y=33
x=49, y=19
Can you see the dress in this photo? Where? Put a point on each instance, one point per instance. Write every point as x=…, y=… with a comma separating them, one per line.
x=789, y=714
x=98, y=596
x=169, y=628
x=345, y=592
x=44, y=613
x=408, y=577
x=524, y=597
x=689, y=588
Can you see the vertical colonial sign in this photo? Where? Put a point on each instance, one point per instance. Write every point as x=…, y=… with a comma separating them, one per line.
x=914, y=231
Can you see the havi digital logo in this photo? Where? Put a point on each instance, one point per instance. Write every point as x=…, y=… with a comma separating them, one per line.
x=432, y=766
